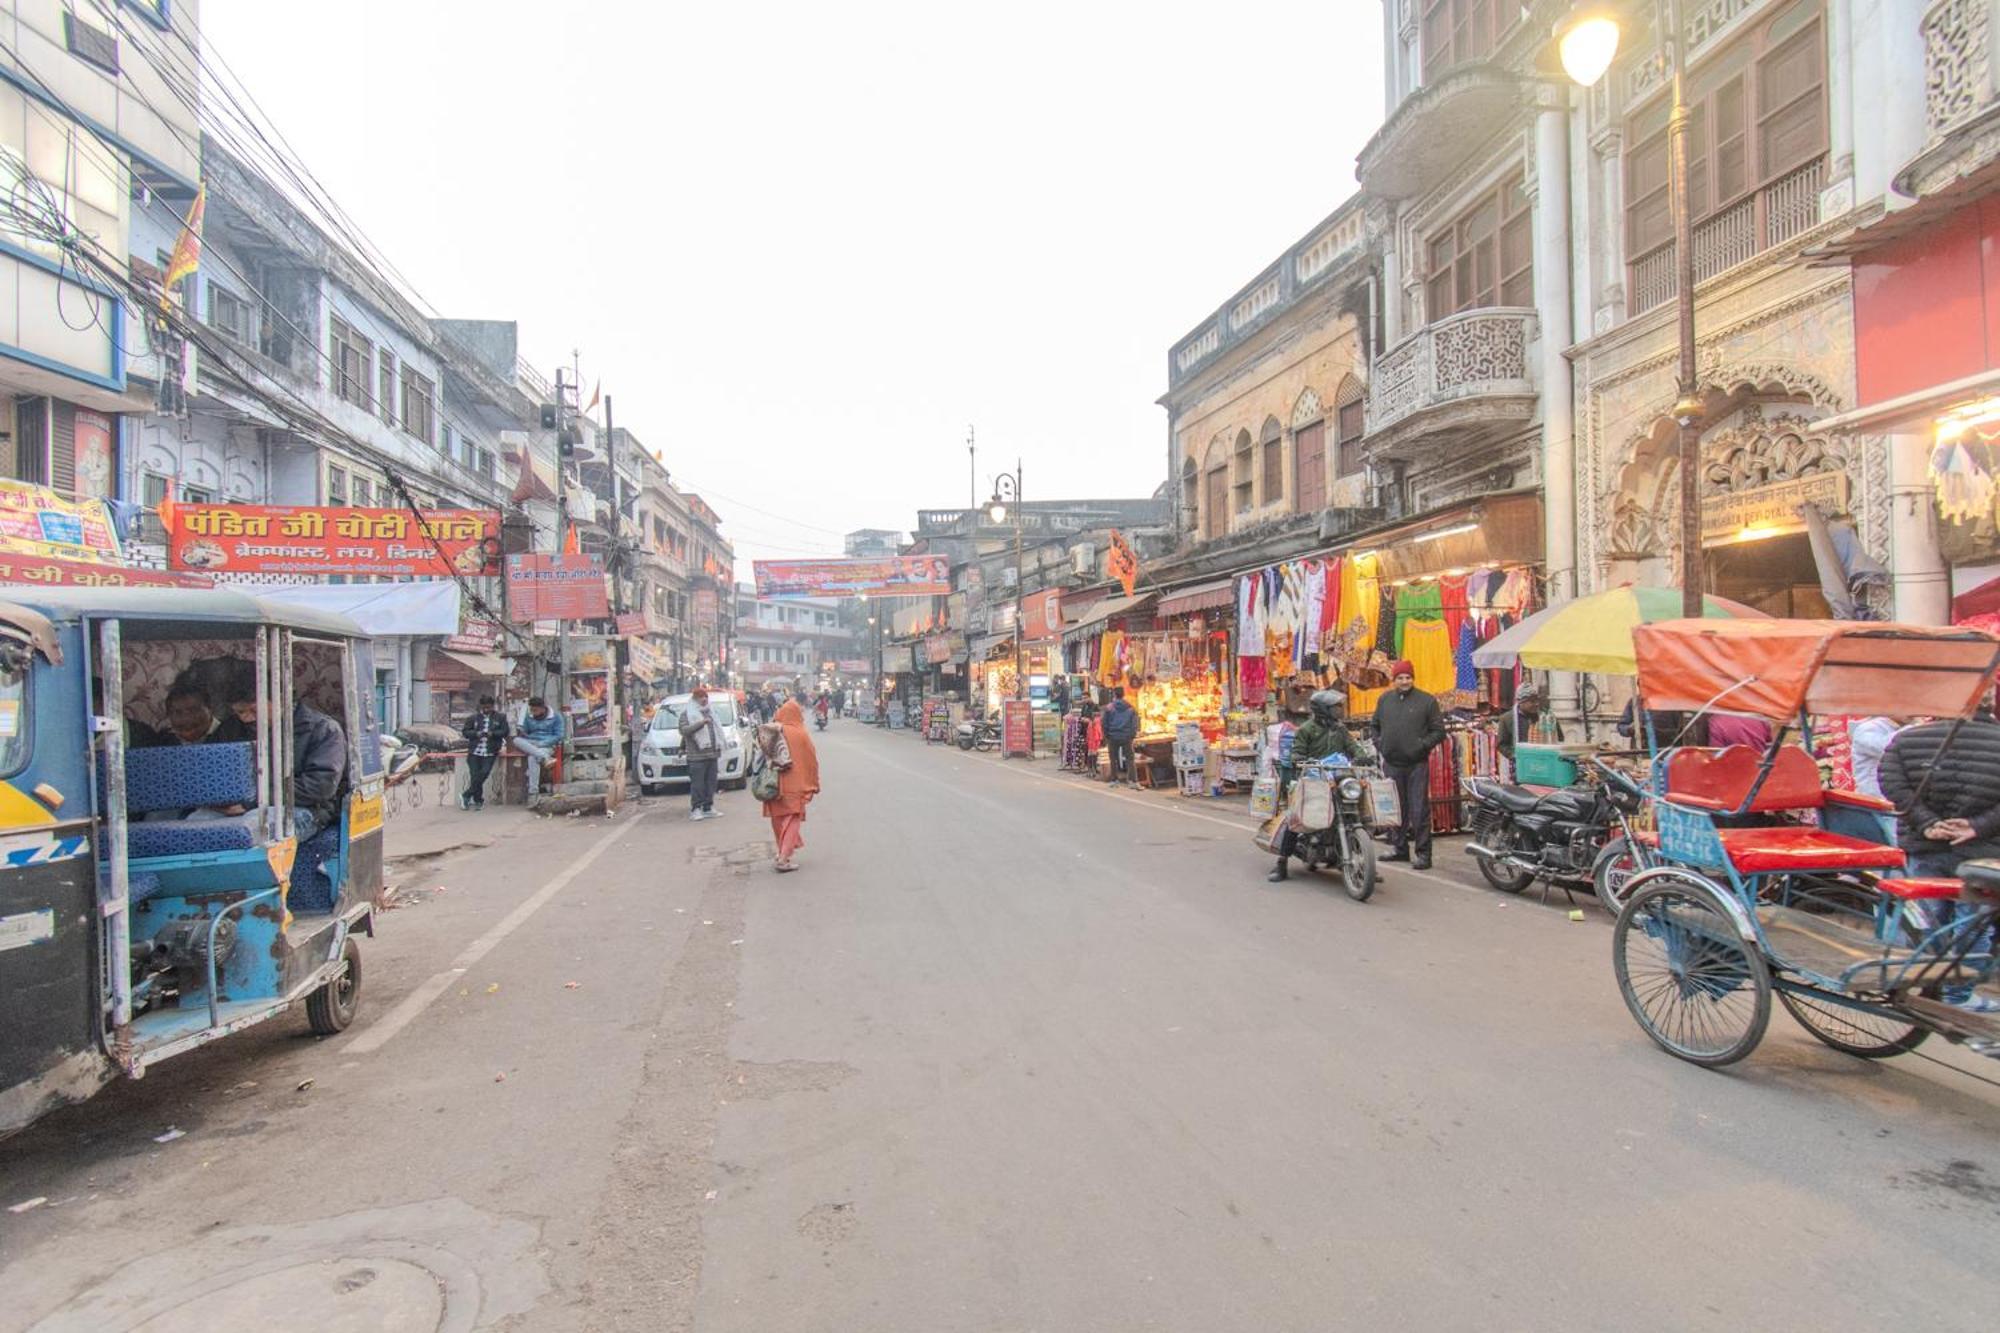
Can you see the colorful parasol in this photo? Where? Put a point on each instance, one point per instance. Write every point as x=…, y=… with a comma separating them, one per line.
x=1595, y=633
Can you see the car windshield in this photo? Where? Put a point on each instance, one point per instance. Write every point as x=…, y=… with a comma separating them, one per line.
x=670, y=714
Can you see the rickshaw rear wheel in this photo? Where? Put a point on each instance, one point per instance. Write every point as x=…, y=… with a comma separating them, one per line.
x=1852, y=1031
x=332, y=1007
x=1690, y=981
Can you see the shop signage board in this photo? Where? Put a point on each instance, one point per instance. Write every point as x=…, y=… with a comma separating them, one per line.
x=1017, y=728
x=892, y=576
x=645, y=662
x=94, y=457
x=1041, y=615
x=323, y=539
x=632, y=623
x=51, y=572
x=704, y=607
x=556, y=587
x=476, y=635
x=1766, y=510
x=852, y=666
x=35, y=521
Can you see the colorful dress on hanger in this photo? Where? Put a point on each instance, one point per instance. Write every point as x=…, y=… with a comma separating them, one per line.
x=1427, y=644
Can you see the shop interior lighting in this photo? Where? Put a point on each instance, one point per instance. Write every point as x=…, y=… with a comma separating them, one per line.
x=1446, y=532
x=1968, y=419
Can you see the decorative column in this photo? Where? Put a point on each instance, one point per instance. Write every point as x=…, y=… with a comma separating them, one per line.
x=1918, y=578
x=1392, y=284
x=1548, y=186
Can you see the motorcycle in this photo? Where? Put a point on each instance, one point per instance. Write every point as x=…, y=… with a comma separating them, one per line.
x=978, y=735
x=1577, y=837
x=819, y=720
x=1326, y=806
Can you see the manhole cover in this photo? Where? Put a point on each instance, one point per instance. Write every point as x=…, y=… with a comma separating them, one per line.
x=349, y=1295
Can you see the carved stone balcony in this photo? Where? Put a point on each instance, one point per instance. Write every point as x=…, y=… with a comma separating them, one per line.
x=1464, y=380
x=1961, y=97
x=1435, y=128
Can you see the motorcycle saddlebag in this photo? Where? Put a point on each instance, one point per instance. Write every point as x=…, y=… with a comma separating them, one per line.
x=1381, y=805
x=1313, y=804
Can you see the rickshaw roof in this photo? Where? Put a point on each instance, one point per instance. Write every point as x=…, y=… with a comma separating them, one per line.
x=1777, y=669
x=216, y=605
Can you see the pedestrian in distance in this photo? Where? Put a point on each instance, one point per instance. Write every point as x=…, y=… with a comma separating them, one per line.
x=485, y=733
x=701, y=745
x=1408, y=726
x=1121, y=728
x=540, y=736
x=787, y=749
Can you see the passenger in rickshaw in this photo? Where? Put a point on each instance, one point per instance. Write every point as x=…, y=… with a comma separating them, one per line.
x=1944, y=778
x=192, y=719
x=319, y=756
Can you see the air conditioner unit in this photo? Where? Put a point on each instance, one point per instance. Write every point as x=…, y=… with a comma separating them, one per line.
x=1083, y=558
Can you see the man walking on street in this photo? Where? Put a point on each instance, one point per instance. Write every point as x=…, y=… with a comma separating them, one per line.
x=541, y=735
x=1408, y=726
x=1121, y=728
x=701, y=742
x=485, y=733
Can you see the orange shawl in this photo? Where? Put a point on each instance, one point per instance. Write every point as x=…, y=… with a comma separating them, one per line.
x=800, y=782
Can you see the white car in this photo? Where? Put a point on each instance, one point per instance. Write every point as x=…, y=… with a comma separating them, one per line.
x=660, y=758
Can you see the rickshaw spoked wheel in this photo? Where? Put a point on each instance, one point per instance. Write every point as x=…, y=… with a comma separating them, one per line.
x=1698, y=989
x=331, y=1008
x=1856, y=1032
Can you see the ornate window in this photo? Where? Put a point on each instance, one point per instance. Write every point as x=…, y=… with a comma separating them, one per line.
x=1271, y=444
x=1456, y=31
x=1757, y=142
x=1350, y=413
x=1484, y=256
x=1308, y=454
x=1215, y=502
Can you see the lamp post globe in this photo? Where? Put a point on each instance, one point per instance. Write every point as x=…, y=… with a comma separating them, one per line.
x=1587, y=47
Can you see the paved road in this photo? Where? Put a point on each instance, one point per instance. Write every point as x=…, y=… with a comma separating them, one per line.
x=1012, y=1052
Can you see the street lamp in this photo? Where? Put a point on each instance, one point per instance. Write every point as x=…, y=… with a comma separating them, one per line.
x=1587, y=43
x=1006, y=503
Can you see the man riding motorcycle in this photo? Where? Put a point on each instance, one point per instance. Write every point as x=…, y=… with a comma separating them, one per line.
x=1325, y=734
x=821, y=706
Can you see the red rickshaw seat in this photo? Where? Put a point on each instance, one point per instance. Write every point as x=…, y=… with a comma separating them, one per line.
x=1794, y=847
x=1720, y=779
x=1922, y=888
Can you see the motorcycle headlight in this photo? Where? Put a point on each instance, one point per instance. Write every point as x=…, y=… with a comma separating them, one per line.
x=1350, y=790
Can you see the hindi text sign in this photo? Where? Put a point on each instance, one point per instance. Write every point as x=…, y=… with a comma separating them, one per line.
x=556, y=587
x=321, y=539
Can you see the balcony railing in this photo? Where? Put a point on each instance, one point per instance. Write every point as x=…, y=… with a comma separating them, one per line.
x=1958, y=64
x=1768, y=217
x=1460, y=356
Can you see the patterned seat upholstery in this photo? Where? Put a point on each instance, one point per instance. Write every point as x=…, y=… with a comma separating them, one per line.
x=176, y=837
x=182, y=777
x=312, y=887
x=144, y=886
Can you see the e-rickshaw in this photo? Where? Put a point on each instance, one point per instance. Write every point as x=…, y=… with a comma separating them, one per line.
x=1768, y=880
x=157, y=896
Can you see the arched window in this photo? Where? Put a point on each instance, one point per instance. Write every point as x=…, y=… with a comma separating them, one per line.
x=1271, y=444
x=1215, y=499
x=1309, y=453
x=1350, y=423
x=1244, y=472
x=1190, y=494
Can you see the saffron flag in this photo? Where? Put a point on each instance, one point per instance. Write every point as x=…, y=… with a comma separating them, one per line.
x=595, y=394
x=168, y=509
x=1121, y=563
x=570, y=544
x=186, y=258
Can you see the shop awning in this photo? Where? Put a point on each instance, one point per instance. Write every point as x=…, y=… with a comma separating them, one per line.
x=1201, y=597
x=1106, y=610
x=423, y=608
x=479, y=664
x=984, y=645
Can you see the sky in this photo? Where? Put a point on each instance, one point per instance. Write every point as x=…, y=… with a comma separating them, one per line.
x=804, y=247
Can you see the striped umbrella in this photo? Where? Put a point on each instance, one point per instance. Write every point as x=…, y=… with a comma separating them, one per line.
x=1594, y=633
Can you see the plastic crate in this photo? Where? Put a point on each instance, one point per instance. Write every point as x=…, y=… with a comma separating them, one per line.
x=1543, y=766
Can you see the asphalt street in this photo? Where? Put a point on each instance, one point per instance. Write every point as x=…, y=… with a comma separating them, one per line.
x=1011, y=1052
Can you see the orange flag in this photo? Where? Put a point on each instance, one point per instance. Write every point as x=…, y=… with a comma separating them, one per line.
x=570, y=544
x=168, y=509
x=187, y=250
x=1121, y=563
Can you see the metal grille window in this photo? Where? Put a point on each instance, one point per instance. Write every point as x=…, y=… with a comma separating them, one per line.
x=1484, y=257
x=229, y=314
x=385, y=380
x=353, y=358
x=90, y=43
x=1757, y=144
x=418, y=405
x=1350, y=424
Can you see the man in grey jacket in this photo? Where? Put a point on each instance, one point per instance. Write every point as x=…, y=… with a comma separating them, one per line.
x=1408, y=726
x=701, y=744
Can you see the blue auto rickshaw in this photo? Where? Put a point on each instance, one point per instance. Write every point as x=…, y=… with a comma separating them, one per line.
x=155, y=892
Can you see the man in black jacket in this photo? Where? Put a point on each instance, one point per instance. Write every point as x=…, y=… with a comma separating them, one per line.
x=485, y=735
x=1121, y=728
x=1947, y=795
x=1408, y=726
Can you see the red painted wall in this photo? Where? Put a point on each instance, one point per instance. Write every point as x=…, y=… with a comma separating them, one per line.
x=1927, y=307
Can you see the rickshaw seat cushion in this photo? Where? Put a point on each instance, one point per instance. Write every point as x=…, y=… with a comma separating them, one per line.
x=1860, y=800
x=177, y=837
x=1721, y=779
x=143, y=886
x=182, y=777
x=1794, y=847
x=1921, y=888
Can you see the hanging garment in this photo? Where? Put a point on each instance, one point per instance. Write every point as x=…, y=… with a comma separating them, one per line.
x=1451, y=593
x=1415, y=602
x=1465, y=675
x=1360, y=601
x=1250, y=613
x=1312, y=597
x=1428, y=646
x=1386, y=637
x=1278, y=648
x=1072, y=742
x=1254, y=681
x=1329, y=606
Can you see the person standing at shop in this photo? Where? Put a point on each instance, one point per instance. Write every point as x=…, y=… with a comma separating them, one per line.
x=1408, y=726
x=485, y=733
x=701, y=742
x=1121, y=728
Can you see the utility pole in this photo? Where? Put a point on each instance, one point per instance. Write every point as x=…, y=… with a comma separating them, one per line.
x=615, y=690
x=972, y=467
x=565, y=449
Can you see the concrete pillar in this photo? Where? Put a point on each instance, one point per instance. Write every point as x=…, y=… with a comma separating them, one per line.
x=1918, y=578
x=1840, y=88
x=1553, y=272
x=406, y=682
x=1895, y=125
x=1392, y=287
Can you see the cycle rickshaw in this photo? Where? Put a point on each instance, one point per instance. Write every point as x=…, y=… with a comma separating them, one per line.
x=1767, y=880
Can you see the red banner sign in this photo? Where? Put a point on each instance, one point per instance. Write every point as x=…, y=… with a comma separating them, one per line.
x=632, y=624
x=556, y=587
x=1017, y=728
x=1042, y=615
x=892, y=576
x=475, y=636
x=51, y=571
x=312, y=539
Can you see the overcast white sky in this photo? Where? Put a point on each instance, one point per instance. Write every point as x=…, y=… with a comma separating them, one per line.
x=805, y=245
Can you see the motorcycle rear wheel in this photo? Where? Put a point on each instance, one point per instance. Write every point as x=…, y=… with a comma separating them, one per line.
x=1498, y=873
x=1358, y=873
x=1614, y=868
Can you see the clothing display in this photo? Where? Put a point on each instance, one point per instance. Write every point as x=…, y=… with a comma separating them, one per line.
x=1427, y=644
x=1416, y=602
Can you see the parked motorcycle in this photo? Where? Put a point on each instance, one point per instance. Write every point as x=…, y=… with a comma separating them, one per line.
x=1577, y=837
x=978, y=735
x=1326, y=807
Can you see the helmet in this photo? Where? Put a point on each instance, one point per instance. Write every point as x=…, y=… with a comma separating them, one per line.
x=1327, y=706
